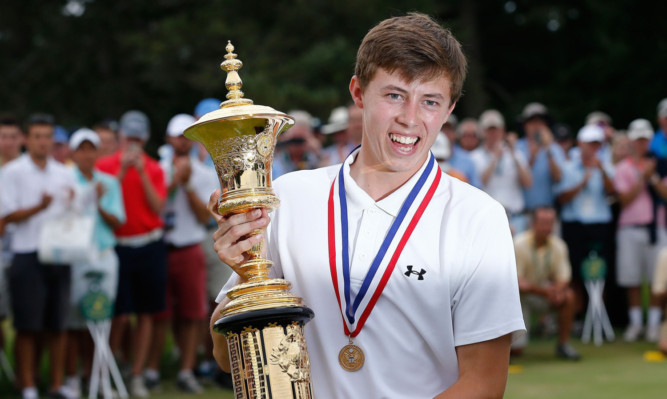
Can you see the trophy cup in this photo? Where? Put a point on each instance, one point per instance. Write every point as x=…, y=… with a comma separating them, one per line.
x=263, y=322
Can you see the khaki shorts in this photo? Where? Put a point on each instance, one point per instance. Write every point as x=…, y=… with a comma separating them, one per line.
x=635, y=256
x=530, y=304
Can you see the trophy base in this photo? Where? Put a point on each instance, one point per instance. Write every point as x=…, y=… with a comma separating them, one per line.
x=267, y=352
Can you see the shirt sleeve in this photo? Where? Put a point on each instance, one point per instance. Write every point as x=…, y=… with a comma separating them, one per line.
x=520, y=259
x=485, y=302
x=9, y=201
x=567, y=181
x=158, y=180
x=112, y=200
x=563, y=272
x=623, y=180
x=558, y=156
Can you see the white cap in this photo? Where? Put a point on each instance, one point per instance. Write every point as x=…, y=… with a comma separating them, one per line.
x=533, y=110
x=338, y=121
x=591, y=133
x=441, y=149
x=81, y=135
x=640, y=129
x=491, y=118
x=178, y=123
x=662, y=108
x=301, y=117
x=597, y=117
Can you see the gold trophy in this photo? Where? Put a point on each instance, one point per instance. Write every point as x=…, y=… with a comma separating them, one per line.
x=263, y=322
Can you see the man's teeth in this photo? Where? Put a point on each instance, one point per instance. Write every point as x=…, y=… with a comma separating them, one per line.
x=403, y=139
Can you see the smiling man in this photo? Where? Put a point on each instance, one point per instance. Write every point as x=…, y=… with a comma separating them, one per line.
x=425, y=285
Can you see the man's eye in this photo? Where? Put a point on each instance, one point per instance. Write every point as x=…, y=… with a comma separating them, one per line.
x=431, y=103
x=394, y=96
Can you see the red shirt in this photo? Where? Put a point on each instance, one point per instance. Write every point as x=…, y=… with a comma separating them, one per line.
x=140, y=217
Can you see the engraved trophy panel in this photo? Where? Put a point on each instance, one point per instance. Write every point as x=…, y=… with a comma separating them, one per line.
x=264, y=322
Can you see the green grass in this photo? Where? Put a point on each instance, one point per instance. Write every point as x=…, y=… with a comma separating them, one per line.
x=614, y=370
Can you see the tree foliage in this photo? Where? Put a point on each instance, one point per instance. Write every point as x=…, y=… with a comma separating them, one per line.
x=84, y=60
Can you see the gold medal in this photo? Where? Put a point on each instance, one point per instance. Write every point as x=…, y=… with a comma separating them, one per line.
x=351, y=357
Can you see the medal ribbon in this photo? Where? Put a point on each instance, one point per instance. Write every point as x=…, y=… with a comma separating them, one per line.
x=351, y=307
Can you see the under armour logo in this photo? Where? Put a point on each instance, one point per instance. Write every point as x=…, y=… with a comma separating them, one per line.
x=418, y=273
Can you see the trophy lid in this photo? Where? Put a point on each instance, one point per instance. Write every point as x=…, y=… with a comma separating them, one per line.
x=236, y=107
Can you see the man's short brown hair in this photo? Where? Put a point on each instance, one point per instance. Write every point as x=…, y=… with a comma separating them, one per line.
x=417, y=47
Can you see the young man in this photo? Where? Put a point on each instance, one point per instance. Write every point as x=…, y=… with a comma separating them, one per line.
x=544, y=274
x=185, y=214
x=35, y=188
x=142, y=274
x=442, y=324
x=100, y=197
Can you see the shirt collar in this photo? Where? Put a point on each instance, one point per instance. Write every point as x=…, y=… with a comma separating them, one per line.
x=391, y=204
x=29, y=162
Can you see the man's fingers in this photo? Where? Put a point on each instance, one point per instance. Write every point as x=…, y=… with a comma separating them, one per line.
x=213, y=206
x=233, y=254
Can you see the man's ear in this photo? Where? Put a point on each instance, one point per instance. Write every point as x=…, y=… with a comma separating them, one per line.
x=356, y=91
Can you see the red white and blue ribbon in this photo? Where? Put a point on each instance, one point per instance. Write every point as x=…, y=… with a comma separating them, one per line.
x=355, y=311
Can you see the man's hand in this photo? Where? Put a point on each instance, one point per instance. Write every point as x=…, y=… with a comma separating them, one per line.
x=547, y=138
x=233, y=239
x=648, y=168
x=46, y=201
x=511, y=140
x=99, y=190
x=182, y=170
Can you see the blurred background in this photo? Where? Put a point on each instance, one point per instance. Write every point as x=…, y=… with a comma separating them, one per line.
x=85, y=60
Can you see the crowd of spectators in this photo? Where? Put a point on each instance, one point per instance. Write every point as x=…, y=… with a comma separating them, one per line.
x=569, y=198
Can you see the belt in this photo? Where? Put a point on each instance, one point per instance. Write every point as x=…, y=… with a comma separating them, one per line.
x=141, y=239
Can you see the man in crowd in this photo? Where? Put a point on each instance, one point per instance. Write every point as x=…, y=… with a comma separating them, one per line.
x=141, y=250
x=585, y=214
x=11, y=140
x=297, y=149
x=659, y=141
x=544, y=273
x=99, y=196
x=503, y=170
x=337, y=129
x=459, y=159
x=469, y=135
x=107, y=130
x=637, y=237
x=466, y=305
x=60, y=151
x=36, y=188
x=544, y=156
x=659, y=290
x=185, y=213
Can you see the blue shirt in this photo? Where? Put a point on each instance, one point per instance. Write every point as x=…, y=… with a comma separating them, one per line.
x=111, y=202
x=590, y=204
x=659, y=144
x=461, y=161
x=541, y=192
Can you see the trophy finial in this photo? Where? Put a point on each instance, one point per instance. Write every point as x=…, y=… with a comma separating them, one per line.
x=233, y=83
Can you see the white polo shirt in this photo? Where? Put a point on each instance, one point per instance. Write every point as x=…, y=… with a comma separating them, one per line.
x=469, y=292
x=187, y=230
x=21, y=186
x=503, y=185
